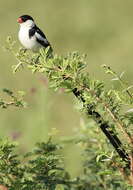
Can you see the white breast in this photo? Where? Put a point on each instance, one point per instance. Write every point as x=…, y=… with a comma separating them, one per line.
x=28, y=43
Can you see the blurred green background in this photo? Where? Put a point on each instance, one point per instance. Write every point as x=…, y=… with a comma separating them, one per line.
x=101, y=29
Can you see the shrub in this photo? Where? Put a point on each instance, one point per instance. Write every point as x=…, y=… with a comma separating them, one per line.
x=103, y=166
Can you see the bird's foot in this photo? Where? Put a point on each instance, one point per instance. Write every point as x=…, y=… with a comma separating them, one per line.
x=23, y=50
x=37, y=59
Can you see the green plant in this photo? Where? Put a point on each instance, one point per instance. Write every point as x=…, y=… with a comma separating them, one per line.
x=42, y=168
x=109, y=109
x=16, y=101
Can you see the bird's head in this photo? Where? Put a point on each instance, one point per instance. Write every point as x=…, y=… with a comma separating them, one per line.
x=26, y=20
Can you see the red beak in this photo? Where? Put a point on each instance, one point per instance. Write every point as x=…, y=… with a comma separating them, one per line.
x=20, y=20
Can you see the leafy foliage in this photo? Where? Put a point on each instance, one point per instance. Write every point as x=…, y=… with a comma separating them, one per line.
x=108, y=110
x=16, y=101
x=42, y=168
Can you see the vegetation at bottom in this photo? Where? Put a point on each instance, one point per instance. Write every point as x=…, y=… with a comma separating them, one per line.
x=107, y=162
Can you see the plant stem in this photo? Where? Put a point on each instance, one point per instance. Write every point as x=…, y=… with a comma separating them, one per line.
x=109, y=133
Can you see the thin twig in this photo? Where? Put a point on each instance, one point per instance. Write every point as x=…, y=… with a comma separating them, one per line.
x=131, y=169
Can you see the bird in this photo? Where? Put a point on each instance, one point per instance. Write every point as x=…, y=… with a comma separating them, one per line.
x=30, y=36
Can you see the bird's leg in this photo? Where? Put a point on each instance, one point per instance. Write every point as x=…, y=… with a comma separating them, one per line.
x=23, y=50
x=37, y=59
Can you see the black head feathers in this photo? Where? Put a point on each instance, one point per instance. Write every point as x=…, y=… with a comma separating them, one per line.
x=24, y=18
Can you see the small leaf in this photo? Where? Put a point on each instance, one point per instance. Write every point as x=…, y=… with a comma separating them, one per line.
x=121, y=75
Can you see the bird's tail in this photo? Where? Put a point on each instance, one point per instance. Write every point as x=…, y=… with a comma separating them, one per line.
x=49, y=52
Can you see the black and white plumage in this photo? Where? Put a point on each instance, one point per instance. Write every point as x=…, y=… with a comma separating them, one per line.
x=30, y=36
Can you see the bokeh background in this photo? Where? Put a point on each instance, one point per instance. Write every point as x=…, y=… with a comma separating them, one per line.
x=101, y=29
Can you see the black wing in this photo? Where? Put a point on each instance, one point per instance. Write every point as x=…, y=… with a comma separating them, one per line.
x=32, y=32
x=41, y=38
